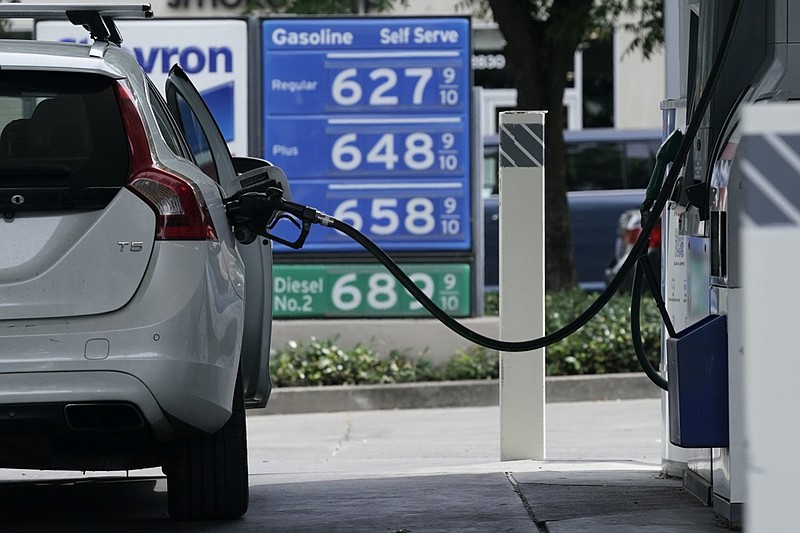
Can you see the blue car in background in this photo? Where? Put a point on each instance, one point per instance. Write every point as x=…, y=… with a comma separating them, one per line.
x=607, y=173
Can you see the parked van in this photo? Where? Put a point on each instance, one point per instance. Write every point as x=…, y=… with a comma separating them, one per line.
x=607, y=171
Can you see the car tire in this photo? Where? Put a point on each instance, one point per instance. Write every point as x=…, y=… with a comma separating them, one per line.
x=207, y=474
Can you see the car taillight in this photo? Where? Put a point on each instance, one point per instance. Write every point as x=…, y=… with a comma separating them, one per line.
x=655, y=237
x=181, y=213
x=631, y=234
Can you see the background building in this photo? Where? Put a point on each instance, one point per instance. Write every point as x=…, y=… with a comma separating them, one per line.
x=608, y=87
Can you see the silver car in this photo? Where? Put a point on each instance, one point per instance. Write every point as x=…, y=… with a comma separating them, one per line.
x=130, y=336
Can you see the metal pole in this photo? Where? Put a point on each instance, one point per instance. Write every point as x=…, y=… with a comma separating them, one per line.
x=522, y=395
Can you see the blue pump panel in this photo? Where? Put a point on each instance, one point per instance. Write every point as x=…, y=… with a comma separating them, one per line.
x=697, y=365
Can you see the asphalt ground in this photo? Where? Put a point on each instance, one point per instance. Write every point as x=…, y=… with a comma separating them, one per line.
x=401, y=471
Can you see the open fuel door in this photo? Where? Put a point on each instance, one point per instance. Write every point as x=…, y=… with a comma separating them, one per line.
x=212, y=155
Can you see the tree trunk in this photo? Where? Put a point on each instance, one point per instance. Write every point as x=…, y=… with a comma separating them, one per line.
x=540, y=52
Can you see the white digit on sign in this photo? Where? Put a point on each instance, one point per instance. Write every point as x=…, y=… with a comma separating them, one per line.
x=451, y=226
x=448, y=140
x=346, y=212
x=449, y=75
x=423, y=76
x=345, y=155
x=384, y=209
x=419, y=216
x=419, y=151
x=450, y=205
x=383, y=152
x=378, y=96
x=448, y=96
x=448, y=162
x=425, y=283
x=381, y=295
x=449, y=302
x=346, y=297
x=450, y=281
x=345, y=90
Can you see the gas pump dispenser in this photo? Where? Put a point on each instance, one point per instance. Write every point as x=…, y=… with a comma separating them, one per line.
x=702, y=279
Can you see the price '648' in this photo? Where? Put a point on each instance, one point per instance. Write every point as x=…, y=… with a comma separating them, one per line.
x=387, y=216
x=414, y=151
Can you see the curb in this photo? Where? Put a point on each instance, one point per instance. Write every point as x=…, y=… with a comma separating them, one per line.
x=478, y=393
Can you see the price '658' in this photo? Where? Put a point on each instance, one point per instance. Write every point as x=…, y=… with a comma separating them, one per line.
x=416, y=152
x=381, y=293
x=386, y=216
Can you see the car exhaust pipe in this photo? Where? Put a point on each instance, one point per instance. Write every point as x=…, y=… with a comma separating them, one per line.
x=103, y=417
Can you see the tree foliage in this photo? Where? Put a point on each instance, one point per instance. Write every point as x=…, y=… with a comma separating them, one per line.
x=541, y=38
x=321, y=7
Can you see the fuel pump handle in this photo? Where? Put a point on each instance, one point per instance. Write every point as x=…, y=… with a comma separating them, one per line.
x=256, y=212
x=665, y=155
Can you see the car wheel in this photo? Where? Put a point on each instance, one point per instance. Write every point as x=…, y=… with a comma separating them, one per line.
x=207, y=474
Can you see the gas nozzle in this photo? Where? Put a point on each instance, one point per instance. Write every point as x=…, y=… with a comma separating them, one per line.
x=261, y=200
x=665, y=155
x=253, y=213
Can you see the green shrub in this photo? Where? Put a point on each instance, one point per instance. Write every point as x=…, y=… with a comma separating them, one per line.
x=475, y=363
x=321, y=362
x=602, y=346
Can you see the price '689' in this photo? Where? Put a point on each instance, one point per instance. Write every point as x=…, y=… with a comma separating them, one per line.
x=414, y=151
x=387, y=216
x=381, y=292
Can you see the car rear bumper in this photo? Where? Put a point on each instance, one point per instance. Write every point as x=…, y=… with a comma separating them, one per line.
x=41, y=388
x=173, y=351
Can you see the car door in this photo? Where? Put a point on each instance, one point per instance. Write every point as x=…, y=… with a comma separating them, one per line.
x=212, y=155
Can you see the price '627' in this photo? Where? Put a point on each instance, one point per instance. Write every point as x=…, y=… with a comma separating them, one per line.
x=385, y=86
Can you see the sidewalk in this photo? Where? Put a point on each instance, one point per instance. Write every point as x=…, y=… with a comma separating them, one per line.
x=438, y=470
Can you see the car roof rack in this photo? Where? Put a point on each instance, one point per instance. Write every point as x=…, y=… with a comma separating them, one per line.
x=97, y=18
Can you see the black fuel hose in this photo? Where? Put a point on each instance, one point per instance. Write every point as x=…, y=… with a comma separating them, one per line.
x=275, y=202
x=630, y=262
x=636, y=327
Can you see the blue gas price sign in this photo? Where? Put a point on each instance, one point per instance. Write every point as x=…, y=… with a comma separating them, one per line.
x=370, y=119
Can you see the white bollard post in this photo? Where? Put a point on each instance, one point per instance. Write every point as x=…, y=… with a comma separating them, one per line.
x=767, y=171
x=522, y=395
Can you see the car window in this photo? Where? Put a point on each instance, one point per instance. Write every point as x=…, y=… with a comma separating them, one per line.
x=60, y=129
x=490, y=170
x=640, y=157
x=595, y=165
x=196, y=138
x=166, y=126
x=590, y=164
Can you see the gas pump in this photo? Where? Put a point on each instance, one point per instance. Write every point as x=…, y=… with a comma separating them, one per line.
x=702, y=275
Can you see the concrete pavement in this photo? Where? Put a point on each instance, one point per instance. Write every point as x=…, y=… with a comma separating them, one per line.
x=437, y=470
x=428, y=470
